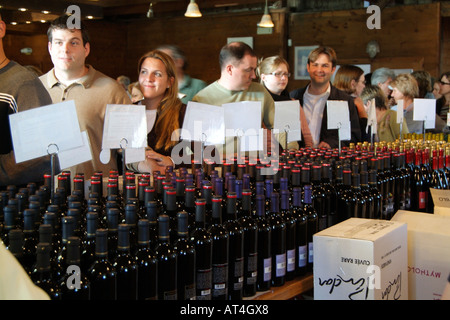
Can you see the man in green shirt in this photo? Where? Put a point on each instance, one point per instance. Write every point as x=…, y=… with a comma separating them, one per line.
x=238, y=63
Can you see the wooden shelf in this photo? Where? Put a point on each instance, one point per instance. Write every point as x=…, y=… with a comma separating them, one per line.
x=288, y=291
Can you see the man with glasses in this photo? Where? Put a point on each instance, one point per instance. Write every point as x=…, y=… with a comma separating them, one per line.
x=238, y=63
x=321, y=66
x=442, y=104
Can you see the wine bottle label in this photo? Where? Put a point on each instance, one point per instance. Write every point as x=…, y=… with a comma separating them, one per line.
x=267, y=269
x=290, y=260
x=310, y=252
x=220, y=279
x=189, y=292
x=204, y=284
x=252, y=268
x=302, y=256
x=238, y=273
x=422, y=200
x=280, y=260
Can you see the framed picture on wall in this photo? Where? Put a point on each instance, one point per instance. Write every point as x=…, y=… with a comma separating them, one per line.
x=300, y=61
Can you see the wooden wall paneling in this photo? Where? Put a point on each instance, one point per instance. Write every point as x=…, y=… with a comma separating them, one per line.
x=406, y=31
x=39, y=57
x=202, y=39
x=108, y=47
x=445, y=48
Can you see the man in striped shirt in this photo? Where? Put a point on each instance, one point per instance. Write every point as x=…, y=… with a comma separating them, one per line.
x=20, y=90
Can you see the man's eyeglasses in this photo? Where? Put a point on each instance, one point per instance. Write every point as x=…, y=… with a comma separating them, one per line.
x=443, y=83
x=280, y=74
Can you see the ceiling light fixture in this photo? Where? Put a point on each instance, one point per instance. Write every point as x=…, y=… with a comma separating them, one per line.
x=150, y=13
x=192, y=10
x=266, y=20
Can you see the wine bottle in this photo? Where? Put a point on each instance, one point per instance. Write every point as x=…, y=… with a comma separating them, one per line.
x=131, y=218
x=16, y=245
x=376, y=194
x=88, y=244
x=347, y=200
x=42, y=275
x=236, y=252
x=147, y=264
x=203, y=249
x=367, y=195
x=291, y=232
x=264, y=259
x=171, y=212
x=330, y=194
x=301, y=255
x=418, y=186
x=167, y=262
x=185, y=259
x=360, y=209
x=319, y=196
x=152, y=217
x=390, y=183
x=220, y=257
x=113, y=218
x=278, y=226
x=312, y=223
x=125, y=266
x=250, y=229
x=75, y=284
x=30, y=240
x=68, y=227
x=102, y=275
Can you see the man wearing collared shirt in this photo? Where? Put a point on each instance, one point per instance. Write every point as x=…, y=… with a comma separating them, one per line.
x=321, y=66
x=72, y=79
x=238, y=63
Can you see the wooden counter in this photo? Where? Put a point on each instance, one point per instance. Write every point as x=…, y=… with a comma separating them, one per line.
x=288, y=291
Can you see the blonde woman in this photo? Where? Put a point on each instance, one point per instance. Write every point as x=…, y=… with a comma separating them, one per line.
x=387, y=127
x=165, y=111
x=274, y=74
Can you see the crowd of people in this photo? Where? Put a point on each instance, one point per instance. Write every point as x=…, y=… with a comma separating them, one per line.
x=165, y=89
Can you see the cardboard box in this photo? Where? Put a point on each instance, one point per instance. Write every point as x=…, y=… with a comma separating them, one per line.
x=441, y=201
x=361, y=259
x=428, y=253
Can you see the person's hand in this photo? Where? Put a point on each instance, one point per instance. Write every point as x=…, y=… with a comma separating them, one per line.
x=323, y=144
x=159, y=159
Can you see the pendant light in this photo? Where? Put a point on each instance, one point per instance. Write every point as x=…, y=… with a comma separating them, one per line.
x=266, y=20
x=193, y=10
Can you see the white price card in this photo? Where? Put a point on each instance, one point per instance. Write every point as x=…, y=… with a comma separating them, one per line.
x=72, y=157
x=242, y=118
x=125, y=126
x=48, y=129
x=425, y=110
x=287, y=118
x=337, y=113
x=372, y=118
x=400, y=111
x=205, y=123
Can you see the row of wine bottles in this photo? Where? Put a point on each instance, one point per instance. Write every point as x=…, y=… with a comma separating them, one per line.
x=220, y=232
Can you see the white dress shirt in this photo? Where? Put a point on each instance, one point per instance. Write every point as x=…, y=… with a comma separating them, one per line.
x=313, y=106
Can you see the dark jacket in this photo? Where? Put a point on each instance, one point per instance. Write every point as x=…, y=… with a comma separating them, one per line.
x=331, y=136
